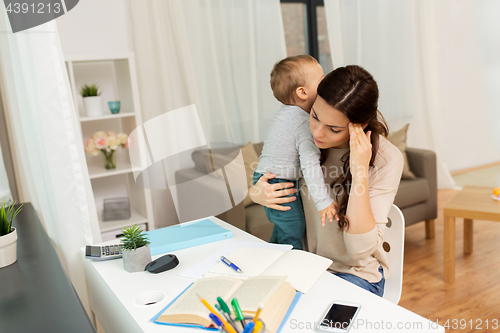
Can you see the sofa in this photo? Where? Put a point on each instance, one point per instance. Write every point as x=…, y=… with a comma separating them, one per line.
x=417, y=198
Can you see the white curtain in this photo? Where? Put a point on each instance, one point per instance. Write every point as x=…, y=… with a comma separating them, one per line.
x=4, y=181
x=48, y=141
x=424, y=56
x=216, y=54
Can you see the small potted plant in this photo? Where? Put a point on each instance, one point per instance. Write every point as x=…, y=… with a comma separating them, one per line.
x=92, y=99
x=8, y=234
x=135, y=249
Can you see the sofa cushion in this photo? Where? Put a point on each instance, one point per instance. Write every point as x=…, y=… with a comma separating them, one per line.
x=257, y=222
x=398, y=139
x=411, y=192
x=224, y=156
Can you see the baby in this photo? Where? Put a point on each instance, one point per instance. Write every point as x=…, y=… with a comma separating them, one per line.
x=289, y=150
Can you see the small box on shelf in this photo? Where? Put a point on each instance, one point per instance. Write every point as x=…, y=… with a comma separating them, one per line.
x=116, y=209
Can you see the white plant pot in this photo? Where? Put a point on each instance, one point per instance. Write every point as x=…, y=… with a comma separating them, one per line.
x=136, y=260
x=8, y=248
x=93, y=106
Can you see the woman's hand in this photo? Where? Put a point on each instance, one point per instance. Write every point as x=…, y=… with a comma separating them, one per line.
x=270, y=195
x=361, y=150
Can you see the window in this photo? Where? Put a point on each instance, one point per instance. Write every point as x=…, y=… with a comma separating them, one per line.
x=304, y=23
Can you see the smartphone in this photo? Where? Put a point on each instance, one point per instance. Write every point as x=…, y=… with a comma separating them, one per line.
x=339, y=317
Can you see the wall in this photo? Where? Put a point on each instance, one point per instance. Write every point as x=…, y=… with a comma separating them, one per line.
x=103, y=27
x=95, y=27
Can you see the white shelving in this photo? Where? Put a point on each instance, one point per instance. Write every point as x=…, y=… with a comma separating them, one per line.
x=116, y=75
x=110, y=116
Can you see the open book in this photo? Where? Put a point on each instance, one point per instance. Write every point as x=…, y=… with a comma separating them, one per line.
x=301, y=268
x=272, y=292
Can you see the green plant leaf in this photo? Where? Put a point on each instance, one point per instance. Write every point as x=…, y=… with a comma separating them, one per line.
x=133, y=238
x=7, y=214
x=90, y=90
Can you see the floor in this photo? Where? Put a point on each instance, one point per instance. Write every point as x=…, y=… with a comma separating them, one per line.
x=472, y=303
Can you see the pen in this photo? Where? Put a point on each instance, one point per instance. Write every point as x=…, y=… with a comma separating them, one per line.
x=258, y=327
x=230, y=264
x=226, y=310
x=237, y=312
x=227, y=316
x=228, y=327
x=215, y=319
x=249, y=328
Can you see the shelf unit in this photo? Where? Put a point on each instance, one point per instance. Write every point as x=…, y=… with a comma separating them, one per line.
x=117, y=77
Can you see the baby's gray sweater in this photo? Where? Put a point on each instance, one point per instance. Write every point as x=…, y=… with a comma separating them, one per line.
x=290, y=153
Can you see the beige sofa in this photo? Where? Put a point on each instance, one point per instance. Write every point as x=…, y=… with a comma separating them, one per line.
x=417, y=198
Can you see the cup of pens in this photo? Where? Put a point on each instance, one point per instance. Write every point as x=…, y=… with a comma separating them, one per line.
x=236, y=323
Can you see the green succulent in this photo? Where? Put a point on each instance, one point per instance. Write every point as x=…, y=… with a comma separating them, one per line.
x=90, y=90
x=133, y=238
x=7, y=214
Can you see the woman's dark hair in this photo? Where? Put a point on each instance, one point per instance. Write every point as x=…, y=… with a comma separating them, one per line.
x=352, y=91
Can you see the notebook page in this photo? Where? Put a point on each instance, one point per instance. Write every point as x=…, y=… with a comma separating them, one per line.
x=302, y=268
x=251, y=261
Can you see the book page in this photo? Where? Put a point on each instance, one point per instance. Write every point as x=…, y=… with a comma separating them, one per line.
x=257, y=291
x=209, y=289
x=302, y=268
x=251, y=261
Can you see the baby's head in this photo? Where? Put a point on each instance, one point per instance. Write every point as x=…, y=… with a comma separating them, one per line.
x=294, y=80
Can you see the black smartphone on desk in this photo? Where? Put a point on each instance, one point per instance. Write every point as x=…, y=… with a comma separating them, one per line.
x=339, y=317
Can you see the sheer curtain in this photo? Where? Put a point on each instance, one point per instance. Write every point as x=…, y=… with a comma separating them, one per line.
x=4, y=181
x=48, y=142
x=215, y=54
x=425, y=57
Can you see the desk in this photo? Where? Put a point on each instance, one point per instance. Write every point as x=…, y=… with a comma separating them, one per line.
x=113, y=293
x=472, y=202
x=36, y=295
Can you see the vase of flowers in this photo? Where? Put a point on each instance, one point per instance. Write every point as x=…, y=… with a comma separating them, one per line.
x=106, y=144
x=8, y=234
x=92, y=99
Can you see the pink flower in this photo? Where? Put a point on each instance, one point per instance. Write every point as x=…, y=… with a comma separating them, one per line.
x=113, y=141
x=123, y=138
x=90, y=147
x=100, y=134
x=101, y=143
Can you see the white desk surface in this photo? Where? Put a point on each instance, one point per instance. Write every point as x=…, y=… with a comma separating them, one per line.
x=113, y=292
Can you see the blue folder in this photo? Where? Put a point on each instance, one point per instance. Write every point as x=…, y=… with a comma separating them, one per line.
x=182, y=236
x=295, y=300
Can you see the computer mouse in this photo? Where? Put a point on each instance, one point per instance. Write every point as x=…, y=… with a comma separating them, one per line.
x=162, y=264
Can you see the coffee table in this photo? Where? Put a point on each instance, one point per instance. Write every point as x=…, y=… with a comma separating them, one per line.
x=471, y=203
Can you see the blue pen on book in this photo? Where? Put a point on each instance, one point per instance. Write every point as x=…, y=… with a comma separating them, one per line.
x=216, y=320
x=230, y=264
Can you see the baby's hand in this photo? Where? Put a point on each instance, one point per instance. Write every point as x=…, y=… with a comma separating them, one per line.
x=329, y=212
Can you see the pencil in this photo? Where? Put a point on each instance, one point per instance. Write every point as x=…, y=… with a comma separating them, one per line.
x=228, y=327
x=257, y=314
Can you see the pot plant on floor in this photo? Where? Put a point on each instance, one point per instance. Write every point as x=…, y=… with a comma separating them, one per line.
x=135, y=249
x=92, y=100
x=8, y=234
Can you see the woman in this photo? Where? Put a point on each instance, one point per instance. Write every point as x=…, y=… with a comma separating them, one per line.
x=363, y=170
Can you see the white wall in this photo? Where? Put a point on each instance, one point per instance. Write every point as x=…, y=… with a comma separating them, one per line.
x=96, y=26
x=103, y=27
